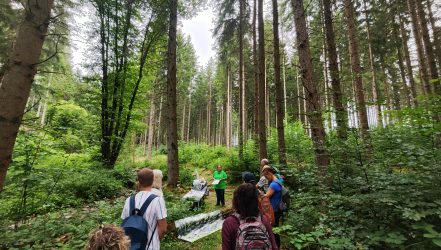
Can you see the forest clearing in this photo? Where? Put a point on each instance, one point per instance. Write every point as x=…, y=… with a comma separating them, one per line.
x=340, y=98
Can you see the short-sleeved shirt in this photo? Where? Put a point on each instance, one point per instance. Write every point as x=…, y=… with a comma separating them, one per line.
x=217, y=176
x=277, y=195
x=263, y=184
x=156, y=211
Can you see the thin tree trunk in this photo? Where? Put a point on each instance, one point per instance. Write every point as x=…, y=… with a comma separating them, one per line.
x=184, y=112
x=16, y=82
x=228, y=110
x=313, y=105
x=356, y=68
x=188, y=118
x=421, y=57
x=241, y=80
x=280, y=112
x=172, y=140
x=436, y=33
x=262, y=117
x=428, y=46
x=256, y=75
x=337, y=95
x=409, y=71
x=376, y=93
x=209, y=112
x=151, y=128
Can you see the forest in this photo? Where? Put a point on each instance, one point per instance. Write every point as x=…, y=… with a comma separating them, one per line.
x=342, y=96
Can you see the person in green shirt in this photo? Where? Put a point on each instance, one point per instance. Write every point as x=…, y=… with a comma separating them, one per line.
x=220, y=175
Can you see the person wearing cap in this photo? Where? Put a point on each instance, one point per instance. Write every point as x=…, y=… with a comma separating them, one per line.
x=263, y=182
x=274, y=193
x=248, y=177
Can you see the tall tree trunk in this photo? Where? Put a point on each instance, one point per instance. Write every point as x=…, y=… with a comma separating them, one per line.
x=419, y=45
x=241, y=130
x=151, y=128
x=262, y=117
x=172, y=133
x=409, y=71
x=188, y=118
x=436, y=33
x=337, y=95
x=280, y=112
x=428, y=46
x=313, y=106
x=356, y=68
x=375, y=85
x=209, y=113
x=256, y=75
x=16, y=82
x=228, y=110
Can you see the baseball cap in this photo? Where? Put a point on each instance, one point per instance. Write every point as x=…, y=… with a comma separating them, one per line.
x=248, y=177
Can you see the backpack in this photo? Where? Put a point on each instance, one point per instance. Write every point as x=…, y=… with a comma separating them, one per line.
x=266, y=209
x=136, y=227
x=252, y=234
x=285, y=201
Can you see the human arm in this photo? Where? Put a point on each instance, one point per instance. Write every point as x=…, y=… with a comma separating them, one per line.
x=229, y=230
x=269, y=229
x=162, y=228
x=273, y=187
x=269, y=193
x=224, y=175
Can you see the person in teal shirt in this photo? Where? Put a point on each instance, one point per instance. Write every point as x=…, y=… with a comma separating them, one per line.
x=220, y=175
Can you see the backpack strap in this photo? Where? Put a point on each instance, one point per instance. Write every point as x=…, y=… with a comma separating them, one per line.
x=132, y=204
x=146, y=204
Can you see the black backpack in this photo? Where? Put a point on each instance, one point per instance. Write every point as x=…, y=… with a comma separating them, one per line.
x=136, y=227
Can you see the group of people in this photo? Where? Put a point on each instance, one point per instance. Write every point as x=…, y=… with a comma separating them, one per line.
x=249, y=227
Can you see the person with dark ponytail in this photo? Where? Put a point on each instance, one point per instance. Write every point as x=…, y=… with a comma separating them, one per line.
x=247, y=220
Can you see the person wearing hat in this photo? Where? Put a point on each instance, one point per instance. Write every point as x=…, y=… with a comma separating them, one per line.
x=274, y=193
x=262, y=185
x=248, y=177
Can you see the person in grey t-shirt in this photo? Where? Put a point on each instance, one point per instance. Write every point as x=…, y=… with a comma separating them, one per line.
x=262, y=185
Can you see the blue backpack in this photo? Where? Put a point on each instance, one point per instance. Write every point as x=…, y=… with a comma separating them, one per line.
x=136, y=227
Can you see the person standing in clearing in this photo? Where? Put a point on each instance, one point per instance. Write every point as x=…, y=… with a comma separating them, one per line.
x=157, y=182
x=274, y=193
x=220, y=175
x=156, y=212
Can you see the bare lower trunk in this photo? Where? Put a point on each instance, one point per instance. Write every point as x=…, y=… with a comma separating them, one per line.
x=337, y=95
x=356, y=68
x=228, y=111
x=241, y=130
x=172, y=137
x=16, y=82
x=428, y=48
x=256, y=75
x=280, y=112
x=151, y=129
x=409, y=71
x=436, y=33
x=313, y=106
x=421, y=57
x=375, y=86
x=262, y=116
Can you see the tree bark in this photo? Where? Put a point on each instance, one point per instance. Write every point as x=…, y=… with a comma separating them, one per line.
x=228, y=111
x=280, y=106
x=409, y=71
x=313, y=105
x=262, y=127
x=151, y=128
x=356, y=68
x=241, y=131
x=436, y=33
x=16, y=82
x=428, y=48
x=172, y=139
x=376, y=93
x=337, y=95
x=256, y=75
x=421, y=57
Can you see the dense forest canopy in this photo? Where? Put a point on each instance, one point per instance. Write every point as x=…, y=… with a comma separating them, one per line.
x=343, y=96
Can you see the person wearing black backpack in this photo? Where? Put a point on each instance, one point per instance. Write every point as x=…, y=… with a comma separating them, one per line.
x=274, y=193
x=247, y=228
x=144, y=215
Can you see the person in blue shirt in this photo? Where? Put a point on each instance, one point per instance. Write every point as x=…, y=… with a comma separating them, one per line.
x=274, y=193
